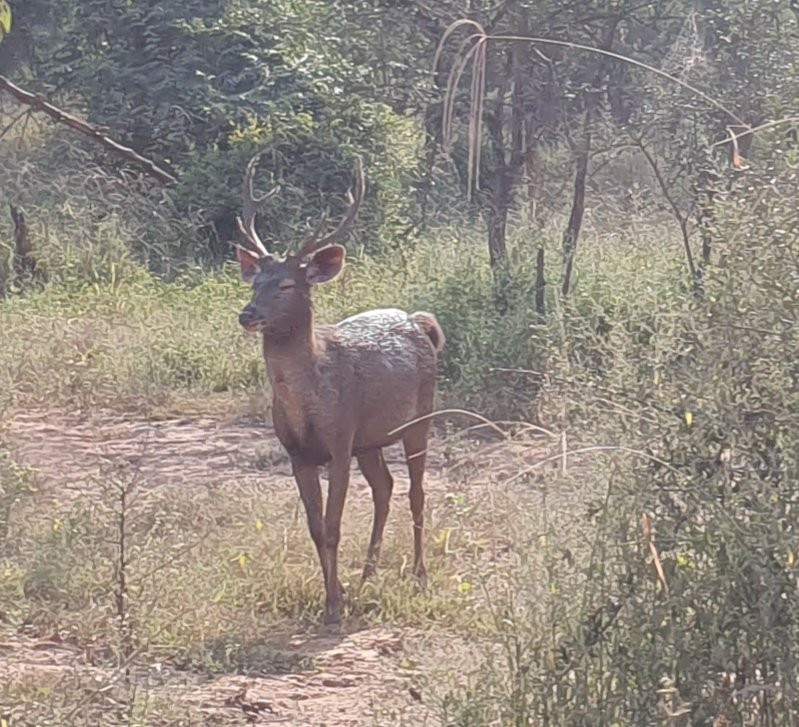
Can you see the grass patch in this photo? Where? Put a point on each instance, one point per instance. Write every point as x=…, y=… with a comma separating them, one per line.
x=221, y=563
x=130, y=341
x=218, y=580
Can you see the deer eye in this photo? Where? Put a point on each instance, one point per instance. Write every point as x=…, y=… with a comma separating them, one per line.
x=286, y=284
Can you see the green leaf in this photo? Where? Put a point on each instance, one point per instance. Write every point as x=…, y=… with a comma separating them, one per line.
x=5, y=18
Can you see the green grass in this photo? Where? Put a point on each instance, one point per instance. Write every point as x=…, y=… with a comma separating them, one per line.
x=126, y=345
x=130, y=341
x=219, y=577
x=221, y=563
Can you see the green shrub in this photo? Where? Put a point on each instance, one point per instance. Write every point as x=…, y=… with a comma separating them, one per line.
x=699, y=399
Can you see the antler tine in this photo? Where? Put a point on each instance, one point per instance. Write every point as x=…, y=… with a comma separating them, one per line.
x=249, y=177
x=314, y=242
x=250, y=236
x=317, y=231
x=253, y=205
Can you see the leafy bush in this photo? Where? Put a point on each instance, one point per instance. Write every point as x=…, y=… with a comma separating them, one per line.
x=699, y=404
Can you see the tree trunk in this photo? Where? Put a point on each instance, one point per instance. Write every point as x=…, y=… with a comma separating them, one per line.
x=572, y=231
x=705, y=190
x=496, y=219
x=506, y=148
x=540, y=286
x=24, y=259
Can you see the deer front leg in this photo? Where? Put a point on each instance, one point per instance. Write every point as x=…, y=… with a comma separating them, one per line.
x=307, y=477
x=339, y=479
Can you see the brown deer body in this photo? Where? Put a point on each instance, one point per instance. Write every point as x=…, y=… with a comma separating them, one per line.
x=340, y=391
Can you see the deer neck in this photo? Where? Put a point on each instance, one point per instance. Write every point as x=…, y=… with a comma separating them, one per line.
x=291, y=364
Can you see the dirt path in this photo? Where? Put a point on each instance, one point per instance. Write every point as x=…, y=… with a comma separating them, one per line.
x=70, y=450
x=358, y=678
x=355, y=680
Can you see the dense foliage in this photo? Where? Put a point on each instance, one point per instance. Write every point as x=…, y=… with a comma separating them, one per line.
x=199, y=86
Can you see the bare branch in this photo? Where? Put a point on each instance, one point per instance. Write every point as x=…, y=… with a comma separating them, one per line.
x=682, y=219
x=37, y=103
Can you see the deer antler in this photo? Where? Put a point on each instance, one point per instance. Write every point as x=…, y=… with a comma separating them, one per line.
x=253, y=206
x=316, y=240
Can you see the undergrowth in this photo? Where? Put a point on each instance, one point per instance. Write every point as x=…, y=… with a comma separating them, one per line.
x=148, y=583
x=130, y=341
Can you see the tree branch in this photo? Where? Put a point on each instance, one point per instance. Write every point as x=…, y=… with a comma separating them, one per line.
x=682, y=219
x=37, y=103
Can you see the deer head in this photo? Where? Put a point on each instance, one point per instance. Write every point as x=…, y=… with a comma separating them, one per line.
x=282, y=285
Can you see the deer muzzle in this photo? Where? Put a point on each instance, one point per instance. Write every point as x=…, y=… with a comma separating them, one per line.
x=249, y=320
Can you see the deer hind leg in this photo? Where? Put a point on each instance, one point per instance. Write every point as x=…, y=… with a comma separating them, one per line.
x=415, y=443
x=379, y=478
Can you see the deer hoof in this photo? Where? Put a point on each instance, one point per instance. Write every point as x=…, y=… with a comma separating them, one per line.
x=331, y=628
x=332, y=615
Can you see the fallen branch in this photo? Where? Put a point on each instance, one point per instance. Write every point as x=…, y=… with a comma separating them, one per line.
x=37, y=103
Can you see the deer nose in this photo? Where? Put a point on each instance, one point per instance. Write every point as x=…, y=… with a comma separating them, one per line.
x=246, y=316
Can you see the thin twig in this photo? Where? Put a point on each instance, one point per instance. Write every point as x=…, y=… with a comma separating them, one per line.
x=487, y=422
x=682, y=219
x=583, y=450
x=752, y=129
x=646, y=524
x=13, y=122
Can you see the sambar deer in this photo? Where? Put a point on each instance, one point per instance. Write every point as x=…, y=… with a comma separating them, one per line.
x=339, y=391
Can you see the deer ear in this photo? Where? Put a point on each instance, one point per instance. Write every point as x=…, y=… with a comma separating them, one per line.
x=248, y=263
x=325, y=264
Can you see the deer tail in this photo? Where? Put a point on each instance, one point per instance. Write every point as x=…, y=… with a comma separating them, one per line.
x=429, y=324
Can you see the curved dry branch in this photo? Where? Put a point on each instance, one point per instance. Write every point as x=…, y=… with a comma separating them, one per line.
x=475, y=53
x=625, y=59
